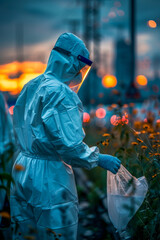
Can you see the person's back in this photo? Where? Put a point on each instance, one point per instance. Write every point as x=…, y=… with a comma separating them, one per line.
x=47, y=181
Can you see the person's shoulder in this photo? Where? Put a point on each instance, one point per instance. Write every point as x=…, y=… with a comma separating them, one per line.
x=57, y=91
x=52, y=87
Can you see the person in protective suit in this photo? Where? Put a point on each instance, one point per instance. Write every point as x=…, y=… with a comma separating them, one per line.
x=48, y=126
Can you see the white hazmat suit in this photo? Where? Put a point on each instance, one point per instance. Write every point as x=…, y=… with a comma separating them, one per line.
x=48, y=126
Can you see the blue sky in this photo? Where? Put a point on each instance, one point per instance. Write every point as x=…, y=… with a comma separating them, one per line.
x=44, y=20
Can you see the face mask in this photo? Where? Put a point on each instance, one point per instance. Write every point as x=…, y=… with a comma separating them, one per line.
x=79, y=79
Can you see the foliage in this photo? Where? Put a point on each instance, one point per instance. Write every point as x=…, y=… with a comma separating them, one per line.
x=6, y=164
x=137, y=144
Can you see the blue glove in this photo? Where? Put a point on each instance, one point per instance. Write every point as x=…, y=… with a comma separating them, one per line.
x=109, y=162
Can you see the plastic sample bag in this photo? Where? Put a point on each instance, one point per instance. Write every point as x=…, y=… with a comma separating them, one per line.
x=125, y=194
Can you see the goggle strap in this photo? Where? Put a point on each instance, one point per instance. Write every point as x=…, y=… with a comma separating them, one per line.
x=61, y=50
x=85, y=60
x=79, y=57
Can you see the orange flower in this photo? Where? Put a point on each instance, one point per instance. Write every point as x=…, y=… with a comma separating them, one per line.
x=19, y=167
x=136, y=133
x=145, y=126
x=158, y=125
x=154, y=175
x=114, y=105
x=150, y=130
x=134, y=143
x=105, y=143
x=151, y=136
x=154, y=146
x=5, y=215
x=137, y=124
x=106, y=135
x=156, y=154
x=143, y=132
x=135, y=111
x=139, y=140
x=151, y=154
x=125, y=106
x=143, y=147
x=126, y=115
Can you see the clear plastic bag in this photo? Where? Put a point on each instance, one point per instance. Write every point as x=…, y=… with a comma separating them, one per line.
x=125, y=194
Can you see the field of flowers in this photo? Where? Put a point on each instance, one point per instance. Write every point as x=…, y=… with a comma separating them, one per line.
x=136, y=142
x=133, y=136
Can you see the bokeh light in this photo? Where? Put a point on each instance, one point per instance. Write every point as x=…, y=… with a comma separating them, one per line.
x=141, y=80
x=14, y=75
x=100, y=113
x=109, y=81
x=125, y=119
x=114, y=120
x=86, y=117
x=152, y=24
x=120, y=13
x=11, y=110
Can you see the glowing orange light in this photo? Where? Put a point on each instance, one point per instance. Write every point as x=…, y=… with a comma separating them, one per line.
x=114, y=105
x=12, y=81
x=86, y=117
x=26, y=67
x=125, y=120
x=100, y=113
x=125, y=106
x=11, y=110
x=145, y=120
x=152, y=24
x=158, y=121
x=141, y=80
x=114, y=120
x=109, y=81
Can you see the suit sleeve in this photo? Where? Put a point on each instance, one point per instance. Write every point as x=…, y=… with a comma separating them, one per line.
x=63, y=126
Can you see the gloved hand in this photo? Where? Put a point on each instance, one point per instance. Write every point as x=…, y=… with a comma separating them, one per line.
x=109, y=162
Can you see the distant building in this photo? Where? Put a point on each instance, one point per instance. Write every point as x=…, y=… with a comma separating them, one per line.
x=122, y=65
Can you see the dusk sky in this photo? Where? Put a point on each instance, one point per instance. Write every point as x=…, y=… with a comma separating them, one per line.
x=44, y=20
